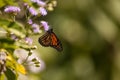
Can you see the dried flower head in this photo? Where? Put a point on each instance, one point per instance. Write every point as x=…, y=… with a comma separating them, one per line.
x=3, y=57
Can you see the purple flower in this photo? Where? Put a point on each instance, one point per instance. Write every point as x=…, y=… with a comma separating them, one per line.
x=45, y=25
x=34, y=1
x=26, y=5
x=43, y=11
x=30, y=21
x=35, y=25
x=35, y=28
x=28, y=40
x=39, y=2
x=33, y=11
x=12, y=9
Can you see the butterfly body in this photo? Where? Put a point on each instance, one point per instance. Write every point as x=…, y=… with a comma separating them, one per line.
x=50, y=39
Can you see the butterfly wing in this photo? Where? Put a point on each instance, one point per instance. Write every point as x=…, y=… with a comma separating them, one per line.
x=55, y=42
x=45, y=40
x=50, y=39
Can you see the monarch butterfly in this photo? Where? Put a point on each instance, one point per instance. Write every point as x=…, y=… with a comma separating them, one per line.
x=50, y=39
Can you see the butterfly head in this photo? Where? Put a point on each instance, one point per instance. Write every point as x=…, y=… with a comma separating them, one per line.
x=50, y=30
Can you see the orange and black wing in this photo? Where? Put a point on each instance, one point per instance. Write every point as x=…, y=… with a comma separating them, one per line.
x=45, y=40
x=50, y=39
x=55, y=42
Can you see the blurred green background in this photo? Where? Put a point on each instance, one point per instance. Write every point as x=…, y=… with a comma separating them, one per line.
x=89, y=31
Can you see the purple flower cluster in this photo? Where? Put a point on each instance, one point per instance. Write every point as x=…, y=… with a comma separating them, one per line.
x=12, y=9
x=45, y=25
x=26, y=5
x=30, y=21
x=43, y=11
x=39, y=2
x=20, y=31
x=35, y=28
x=33, y=11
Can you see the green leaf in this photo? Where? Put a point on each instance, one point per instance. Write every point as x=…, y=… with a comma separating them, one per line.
x=10, y=2
x=2, y=76
x=27, y=1
x=14, y=27
x=17, y=33
x=4, y=21
x=8, y=46
x=7, y=2
x=12, y=64
x=7, y=43
x=20, y=68
x=6, y=40
x=2, y=3
x=10, y=75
